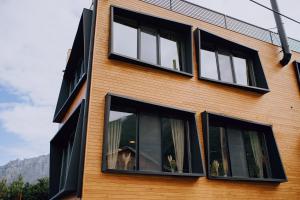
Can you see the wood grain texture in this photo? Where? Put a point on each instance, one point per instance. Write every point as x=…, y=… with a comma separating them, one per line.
x=280, y=107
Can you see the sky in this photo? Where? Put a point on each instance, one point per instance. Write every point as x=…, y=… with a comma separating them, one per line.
x=34, y=38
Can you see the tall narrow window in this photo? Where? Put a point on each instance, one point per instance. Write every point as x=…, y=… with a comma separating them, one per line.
x=149, y=45
x=225, y=67
x=170, y=51
x=125, y=37
x=209, y=68
x=121, y=152
x=241, y=70
x=175, y=149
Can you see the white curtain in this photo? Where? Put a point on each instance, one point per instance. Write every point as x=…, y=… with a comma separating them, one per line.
x=257, y=152
x=177, y=127
x=224, y=151
x=114, y=137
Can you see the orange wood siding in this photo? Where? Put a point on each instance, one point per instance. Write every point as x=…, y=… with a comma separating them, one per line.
x=75, y=103
x=280, y=107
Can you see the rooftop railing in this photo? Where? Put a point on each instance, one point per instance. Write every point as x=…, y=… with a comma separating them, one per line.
x=224, y=21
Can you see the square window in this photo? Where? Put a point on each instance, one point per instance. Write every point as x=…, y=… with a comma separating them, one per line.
x=145, y=138
x=241, y=150
x=151, y=41
x=222, y=61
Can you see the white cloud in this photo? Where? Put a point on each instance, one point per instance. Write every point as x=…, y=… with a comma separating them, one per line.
x=34, y=36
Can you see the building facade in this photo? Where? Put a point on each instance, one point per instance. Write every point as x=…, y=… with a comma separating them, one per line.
x=168, y=100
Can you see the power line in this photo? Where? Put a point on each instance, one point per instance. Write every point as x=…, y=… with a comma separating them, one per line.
x=298, y=22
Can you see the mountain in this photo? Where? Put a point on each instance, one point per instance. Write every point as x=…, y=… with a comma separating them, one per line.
x=31, y=169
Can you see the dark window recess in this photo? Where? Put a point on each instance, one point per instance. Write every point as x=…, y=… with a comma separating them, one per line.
x=65, y=154
x=241, y=150
x=297, y=68
x=75, y=72
x=150, y=139
x=226, y=62
x=150, y=41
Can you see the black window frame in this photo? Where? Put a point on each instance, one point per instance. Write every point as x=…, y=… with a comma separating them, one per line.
x=71, y=82
x=59, y=144
x=256, y=73
x=195, y=147
x=297, y=68
x=272, y=147
x=159, y=24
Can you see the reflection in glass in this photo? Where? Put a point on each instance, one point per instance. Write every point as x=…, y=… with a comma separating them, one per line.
x=121, y=147
x=149, y=142
x=174, y=146
x=225, y=67
x=256, y=155
x=124, y=38
x=219, y=164
x=209, y=67
x=240, y=68
x=170, y=52
x=148, y=45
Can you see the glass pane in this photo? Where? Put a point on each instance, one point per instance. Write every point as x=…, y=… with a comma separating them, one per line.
x=174, y=146
x=170, y=51
x=209, y=67
x=240, y=68
x=125, y=39
x=237, y=153
x=225, y=68
x=148, y=45
x=256, y=156
x=219, y=164
x=121, y=144
x=149, y=143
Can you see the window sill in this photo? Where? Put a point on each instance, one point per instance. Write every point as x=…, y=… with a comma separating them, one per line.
x=120, y=57
x=244, y=87
x=116, y=171
x=272, y=180
x=60, y=114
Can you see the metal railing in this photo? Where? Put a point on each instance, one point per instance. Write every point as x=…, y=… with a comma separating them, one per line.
x=198, y=12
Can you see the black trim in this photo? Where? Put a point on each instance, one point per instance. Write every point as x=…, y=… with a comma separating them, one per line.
x=275, y=159
x=261, y=83
x=297, y=68
x=87, y=97
x=160, y=22
x=80, y=49
x=198, y=169
x=57, y=144
x=61, y=113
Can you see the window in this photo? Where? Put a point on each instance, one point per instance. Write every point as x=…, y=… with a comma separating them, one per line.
x=66, y=156
x=150, y=41
x=226, y=62
x=76, y=69
x=150, y=139
x=241, y=150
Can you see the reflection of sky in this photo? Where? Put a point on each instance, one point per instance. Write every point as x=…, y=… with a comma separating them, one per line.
x=209, y=64
x=125, y=40
x=114, y=115
x=169, y=53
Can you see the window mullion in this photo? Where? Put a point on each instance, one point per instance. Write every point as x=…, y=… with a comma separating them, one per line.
x=228, y=152
x=137, y=156
x=189, y=146
x=218, y=64
x=158, y=48
x=139, y=42
x=232, y=68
